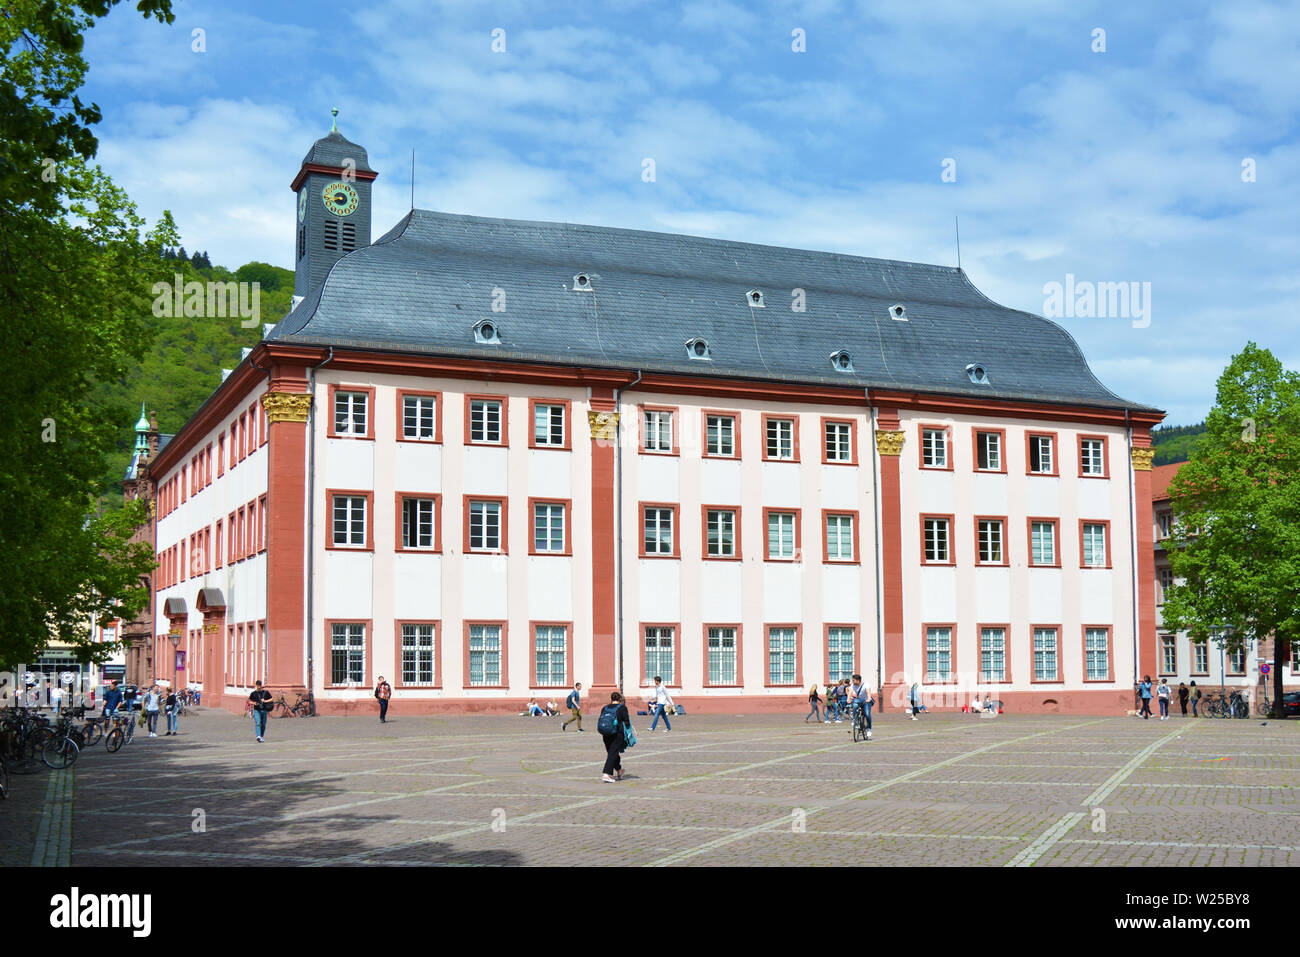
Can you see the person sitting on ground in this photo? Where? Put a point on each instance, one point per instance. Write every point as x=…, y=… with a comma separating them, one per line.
x=990, y=706
x=534, y=709
x=551, y=710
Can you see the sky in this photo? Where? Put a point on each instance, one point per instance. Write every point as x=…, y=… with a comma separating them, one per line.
x=1076, y=143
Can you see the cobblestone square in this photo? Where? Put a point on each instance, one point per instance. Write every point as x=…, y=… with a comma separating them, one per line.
x=950, y=789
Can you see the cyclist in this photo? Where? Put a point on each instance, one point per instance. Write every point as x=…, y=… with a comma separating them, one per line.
x=861, y=699
x=112, y=698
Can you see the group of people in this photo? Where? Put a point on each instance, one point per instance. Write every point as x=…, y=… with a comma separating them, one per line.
x=1163, y=693
x=154, y=701
x=842, y=698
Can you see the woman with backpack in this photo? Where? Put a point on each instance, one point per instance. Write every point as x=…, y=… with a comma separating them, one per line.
x=613, y=719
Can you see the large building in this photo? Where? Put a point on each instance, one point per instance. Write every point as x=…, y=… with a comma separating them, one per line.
x=487, y=458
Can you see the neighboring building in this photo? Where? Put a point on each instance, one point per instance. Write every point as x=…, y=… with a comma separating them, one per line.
x=486, y=458
x=1178, y=657
x=142, y=659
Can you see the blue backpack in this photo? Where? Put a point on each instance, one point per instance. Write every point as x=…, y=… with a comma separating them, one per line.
x=607, y=723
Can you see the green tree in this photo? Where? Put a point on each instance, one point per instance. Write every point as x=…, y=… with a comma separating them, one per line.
x=1236, y=545
x=75, y=275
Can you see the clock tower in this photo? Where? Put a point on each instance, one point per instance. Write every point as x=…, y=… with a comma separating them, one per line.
x=332, y=201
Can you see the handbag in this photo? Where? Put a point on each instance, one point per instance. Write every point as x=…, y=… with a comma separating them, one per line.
x=629, y=736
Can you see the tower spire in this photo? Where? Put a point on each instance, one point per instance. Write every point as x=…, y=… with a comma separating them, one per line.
x=334, y=112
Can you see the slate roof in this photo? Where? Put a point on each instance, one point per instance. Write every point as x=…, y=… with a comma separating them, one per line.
x=423, y=286
x=333, y=148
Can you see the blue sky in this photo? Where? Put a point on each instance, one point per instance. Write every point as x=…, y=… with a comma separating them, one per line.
x=1117, y=166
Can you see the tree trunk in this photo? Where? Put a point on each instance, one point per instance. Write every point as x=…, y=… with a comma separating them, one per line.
x=1281, y=654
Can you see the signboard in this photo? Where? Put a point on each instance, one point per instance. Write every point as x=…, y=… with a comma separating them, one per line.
x=114, y=672
x=1265, y=667
x=180, y=661
x=67, y=677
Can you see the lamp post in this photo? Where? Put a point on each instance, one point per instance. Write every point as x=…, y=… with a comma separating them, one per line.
x=175, y=636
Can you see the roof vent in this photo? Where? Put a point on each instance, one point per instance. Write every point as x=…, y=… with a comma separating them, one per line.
x=898, y=311
x=243, y=353
x=225, y=373
x=698, y=348
x=755, y=298
x=842, y=361
x=582, y=282
x=267, y=329
x=487, y=333
x=978, y=374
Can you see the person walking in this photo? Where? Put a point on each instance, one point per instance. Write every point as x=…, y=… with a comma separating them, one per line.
x=915, y=699
x=662, y=701
x=261, y=699
x=383, y=691
x=152, y=700
x=172, y=704
x=574, y=703
x=1182, y=696
x=612, y=723
x=815, y=712
x=1162, y=693
x=1144, y=692
x=1195, y=695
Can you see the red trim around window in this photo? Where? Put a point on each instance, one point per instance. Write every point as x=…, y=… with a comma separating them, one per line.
x=437, y=524
x=505, y=420
x=704, y=433
x=370, y=411
x=1105, y=455
x=505, y=646
x=568, y=424
x=369, y=495
x=221, y=455
x=466, y=501
x=329, y=624
x=798, y=534
x=1006, y=651
x=220, y=560
x=1056, y=454
x=677, y=529
x=1060, y=661
x=1006, y=544
x=952, y=657
x=1105, y=522
x=676, y=626
x=826, y=648
x=532, y=654
x=975, y=450
x=952, y=537
x=921, y=429
x=567, y=503
x=641, y=410
x=1160, y=647
x=261, y=523
x=853, y=440
x=794, y=436
x=1110, y=653
x=798, y=654
x=1056, y=540
x=704, y=533
x=437, y=416
x=857, y=550
x=740, y=645
x=397, y=653
x=1191, y=655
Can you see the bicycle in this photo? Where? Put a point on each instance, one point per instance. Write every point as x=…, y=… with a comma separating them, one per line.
x=1264, y=706
x=60, y=752
x=860, y=730
x=299, y=709
x=122, y=732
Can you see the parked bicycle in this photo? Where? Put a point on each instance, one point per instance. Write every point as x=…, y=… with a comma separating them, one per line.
x=302, y=708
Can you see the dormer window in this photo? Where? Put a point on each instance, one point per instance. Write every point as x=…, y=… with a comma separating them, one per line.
x=978, y=374
x=698, y=348
x=842, y=361
x=899, y=312
x=582, y=282
x=755, y=298
x=487, y=333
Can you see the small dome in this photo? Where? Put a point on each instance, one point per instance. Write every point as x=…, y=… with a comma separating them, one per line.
x=143, y=424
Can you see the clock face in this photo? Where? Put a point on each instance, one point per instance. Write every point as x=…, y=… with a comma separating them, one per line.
x=339, y=198
x=302, y=205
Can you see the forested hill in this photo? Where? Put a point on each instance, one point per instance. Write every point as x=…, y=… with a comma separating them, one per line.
x=1174, y=443
x=183, y=365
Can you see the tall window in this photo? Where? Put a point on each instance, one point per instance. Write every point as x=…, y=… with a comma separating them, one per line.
x=659, y=658
x=1164, y=524
x=484, y=526
x=720, y=529
x=484, y=655
x=993, y=654
x=990, y=541
x=1040, y=454
x=349, y=521
x=1096, y=650
x=839, y=653
x=938, y=654
x=936, y=540
x=349, y=415
x=549, y=649
x=780, y=439
x=934, y=448
x=782, y=645
x=548, y=425
x=722, y=656
x=485, y=421
x=1168, y=655
x=420, y=418
x=1200, y=657
x=988, y=451
x=658, y=531
x=1094, y=545
x=1042, y=543
x=780, y=535
x=348, y=654
x=1166, y=582
x=658, y=430
x=839, y=538
x=1092, y=456
x=417, y=655
x=1237, y=662
x=839, y=442
x=548, y=527
x=720, y=435
x=418, y=518
x=1045, y=666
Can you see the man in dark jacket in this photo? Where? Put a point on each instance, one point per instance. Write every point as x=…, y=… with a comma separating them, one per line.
x=112, y=699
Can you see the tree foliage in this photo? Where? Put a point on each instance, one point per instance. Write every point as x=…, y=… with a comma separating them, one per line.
x=1235, y=552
